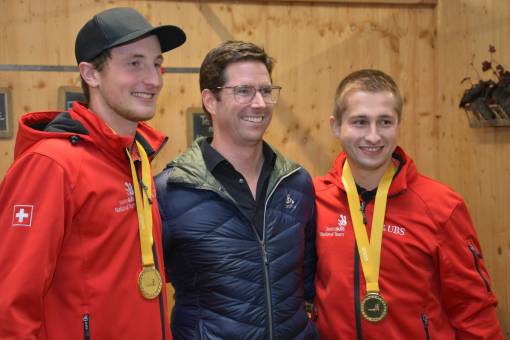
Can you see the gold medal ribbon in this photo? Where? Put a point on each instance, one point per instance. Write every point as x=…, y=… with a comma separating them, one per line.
x=149, y=279
x=369, y=251
x=143, y=205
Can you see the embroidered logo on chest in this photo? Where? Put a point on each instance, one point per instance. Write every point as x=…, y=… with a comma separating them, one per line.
x=289, y=202
x=335, y=231
x=394, y=229
x=129, y=202
x=341, y=226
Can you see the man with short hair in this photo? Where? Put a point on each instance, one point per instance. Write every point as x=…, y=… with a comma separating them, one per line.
x=237, y=216
x=398, y=257
x=80, y=251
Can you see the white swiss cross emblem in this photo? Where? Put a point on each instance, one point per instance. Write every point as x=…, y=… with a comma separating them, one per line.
x=22, y=215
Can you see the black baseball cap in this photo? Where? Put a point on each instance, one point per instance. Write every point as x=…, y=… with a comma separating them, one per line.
x=118, y=26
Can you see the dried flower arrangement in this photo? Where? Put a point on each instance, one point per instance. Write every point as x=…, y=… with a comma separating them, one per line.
x=487, y=102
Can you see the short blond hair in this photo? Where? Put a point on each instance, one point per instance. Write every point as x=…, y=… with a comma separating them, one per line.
x=365, y=80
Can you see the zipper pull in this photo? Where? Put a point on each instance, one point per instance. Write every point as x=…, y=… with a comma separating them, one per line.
x=363, y=205
x=266, y=259
x=86, y=327
x=425, y=320
x=474, y=251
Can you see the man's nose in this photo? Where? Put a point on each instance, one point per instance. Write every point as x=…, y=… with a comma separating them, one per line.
x=373, y=135
x=258, y=100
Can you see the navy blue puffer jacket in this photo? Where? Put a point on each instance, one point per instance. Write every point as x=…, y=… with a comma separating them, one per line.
x=230, y=283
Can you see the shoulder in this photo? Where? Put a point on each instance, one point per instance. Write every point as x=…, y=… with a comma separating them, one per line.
x=161, y=178
x=53, y=146
x=429, y=188
x=40, y=173
x=294, y=175
x=65, y=152
x=187, y=170
x=440, y=200
x=323, y=183
x=303, y=176
x=163, y=185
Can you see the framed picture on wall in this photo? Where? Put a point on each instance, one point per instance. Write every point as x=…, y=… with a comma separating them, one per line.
x=198, y=124
x=67, y=95
x=5, y=113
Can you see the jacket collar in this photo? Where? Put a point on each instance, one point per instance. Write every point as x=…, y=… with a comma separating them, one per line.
x=407, y=172
x=190, y=168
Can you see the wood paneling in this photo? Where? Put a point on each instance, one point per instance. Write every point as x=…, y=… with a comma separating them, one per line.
x=475, y=161
x=427, y=49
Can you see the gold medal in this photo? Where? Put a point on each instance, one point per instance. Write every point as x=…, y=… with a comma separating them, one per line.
x=149, y=282
x=373, y=307
x=149, y=279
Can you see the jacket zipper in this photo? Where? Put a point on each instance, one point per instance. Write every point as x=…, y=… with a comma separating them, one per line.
x=265, y=256
x=357, y=302
x=86, y=327
x=268, y=289
x=425, y=322
x=160, y=296
x=223, y=193
x=357, y=283
x=262, y=243
x=476, y=256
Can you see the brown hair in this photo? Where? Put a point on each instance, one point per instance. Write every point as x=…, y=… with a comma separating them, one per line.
x=98, y=62
x=212, y=70
x=365, y=80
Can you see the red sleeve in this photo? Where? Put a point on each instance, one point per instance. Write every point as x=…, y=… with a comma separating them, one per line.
x=466, y=290
x=32, y=218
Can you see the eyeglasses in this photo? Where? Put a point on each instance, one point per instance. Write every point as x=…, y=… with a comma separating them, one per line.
x=244, y=94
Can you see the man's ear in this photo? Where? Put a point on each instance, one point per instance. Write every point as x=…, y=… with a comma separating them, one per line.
x=335, y=126
x=89, y=74
x=209, y=100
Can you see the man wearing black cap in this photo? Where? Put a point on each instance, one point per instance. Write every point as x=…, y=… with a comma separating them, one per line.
x=80, y=252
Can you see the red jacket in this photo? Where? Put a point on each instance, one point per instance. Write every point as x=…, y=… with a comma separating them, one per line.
x=69, y=247
x=432, y=273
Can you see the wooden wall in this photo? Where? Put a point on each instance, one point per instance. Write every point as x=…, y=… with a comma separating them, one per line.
x=426, y=48
x=476, y=162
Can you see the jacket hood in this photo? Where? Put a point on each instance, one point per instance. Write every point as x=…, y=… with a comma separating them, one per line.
x=80, y=124
x=407, y=173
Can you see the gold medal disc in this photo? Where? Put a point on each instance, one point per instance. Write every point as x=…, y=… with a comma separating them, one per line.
x=149, y=282
x=373, y=307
